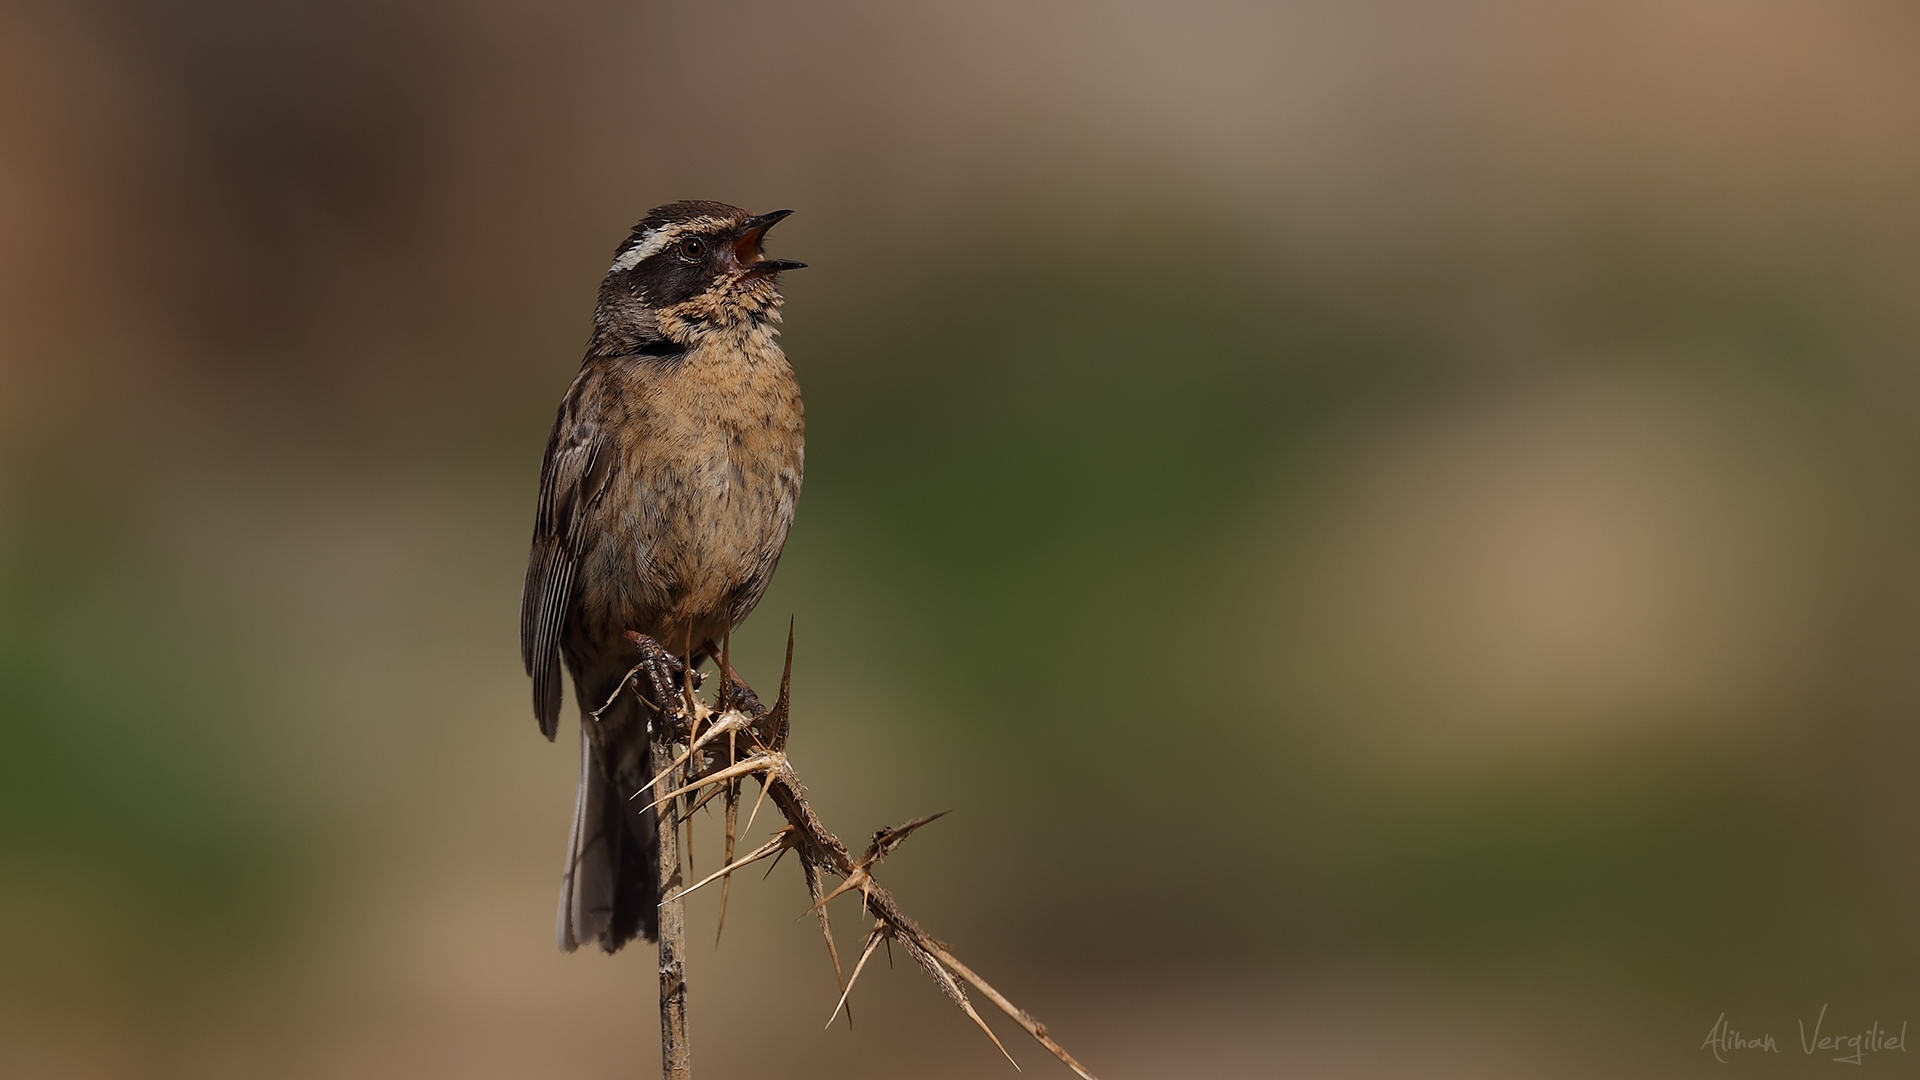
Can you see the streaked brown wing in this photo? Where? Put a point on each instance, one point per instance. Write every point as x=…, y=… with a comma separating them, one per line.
x=572, y=478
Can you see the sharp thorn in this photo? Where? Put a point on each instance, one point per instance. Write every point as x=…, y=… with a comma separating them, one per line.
x=664, y=773
x=1019, y=1016
x=751, y=765
x=887, y=840
x=776, y=864
x=726, y=883
x=857, y=881
x=779, y=843
x=873, y=942
x=968, y=1006
x=707, y=798
x=784, y=703
x=812, y=874
x=766, y=785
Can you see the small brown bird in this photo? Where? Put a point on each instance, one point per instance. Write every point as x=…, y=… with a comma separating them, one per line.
x=665, y=499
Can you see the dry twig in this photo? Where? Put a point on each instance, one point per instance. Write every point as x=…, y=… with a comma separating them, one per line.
x=737, y=737
x=675, y=1056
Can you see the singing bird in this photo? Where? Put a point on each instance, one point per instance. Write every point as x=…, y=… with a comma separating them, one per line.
x=667, y=492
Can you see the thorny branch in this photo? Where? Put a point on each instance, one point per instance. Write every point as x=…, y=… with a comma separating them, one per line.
x=714, y=748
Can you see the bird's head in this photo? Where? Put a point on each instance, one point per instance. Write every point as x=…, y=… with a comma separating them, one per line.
x=690, y=268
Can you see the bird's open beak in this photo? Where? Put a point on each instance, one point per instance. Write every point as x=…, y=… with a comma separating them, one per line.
x=746, y=250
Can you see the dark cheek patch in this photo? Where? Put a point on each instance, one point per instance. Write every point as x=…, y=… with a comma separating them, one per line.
x=666, y=279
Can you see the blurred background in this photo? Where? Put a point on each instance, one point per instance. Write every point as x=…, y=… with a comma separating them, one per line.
x=1393, y=527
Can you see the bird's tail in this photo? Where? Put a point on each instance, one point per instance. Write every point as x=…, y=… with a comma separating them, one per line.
x=610, y=890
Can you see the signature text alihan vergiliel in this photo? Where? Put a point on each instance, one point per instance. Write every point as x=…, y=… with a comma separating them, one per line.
x=1724, y=1039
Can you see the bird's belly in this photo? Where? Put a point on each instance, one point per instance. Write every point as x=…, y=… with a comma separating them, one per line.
x=705, y=530
x=691, y=538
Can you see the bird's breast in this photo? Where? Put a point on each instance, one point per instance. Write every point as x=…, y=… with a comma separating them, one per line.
x=710, y=474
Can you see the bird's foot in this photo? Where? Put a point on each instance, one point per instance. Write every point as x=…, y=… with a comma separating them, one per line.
x=660, y=672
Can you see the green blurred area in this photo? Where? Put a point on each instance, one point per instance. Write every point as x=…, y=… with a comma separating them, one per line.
x=1441, y=564
x=128, y=788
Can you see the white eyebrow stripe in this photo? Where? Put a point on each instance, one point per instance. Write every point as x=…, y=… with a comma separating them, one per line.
x=657, y=241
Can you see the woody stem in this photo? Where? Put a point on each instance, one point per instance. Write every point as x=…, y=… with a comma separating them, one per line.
x=675, y=1057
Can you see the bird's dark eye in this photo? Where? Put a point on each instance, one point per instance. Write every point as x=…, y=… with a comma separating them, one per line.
x=692, y=247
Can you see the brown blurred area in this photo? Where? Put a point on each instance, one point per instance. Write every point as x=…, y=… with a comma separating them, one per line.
x=1393, y=526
